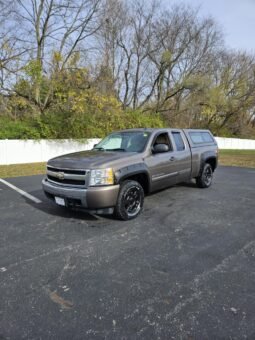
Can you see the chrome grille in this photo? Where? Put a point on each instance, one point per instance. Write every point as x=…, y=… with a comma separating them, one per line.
x=67, y=177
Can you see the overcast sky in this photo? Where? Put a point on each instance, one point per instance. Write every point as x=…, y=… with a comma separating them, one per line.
x=236, y=18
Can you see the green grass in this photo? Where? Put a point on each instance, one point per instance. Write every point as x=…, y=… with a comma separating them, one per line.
x=243, y=158
x=15, y=170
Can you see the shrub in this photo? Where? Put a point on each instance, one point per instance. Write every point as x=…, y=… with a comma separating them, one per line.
x=17, y=129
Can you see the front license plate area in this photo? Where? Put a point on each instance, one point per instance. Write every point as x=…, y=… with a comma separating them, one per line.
x=60, y=201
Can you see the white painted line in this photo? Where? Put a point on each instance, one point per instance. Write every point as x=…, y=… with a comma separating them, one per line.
x=22, y=192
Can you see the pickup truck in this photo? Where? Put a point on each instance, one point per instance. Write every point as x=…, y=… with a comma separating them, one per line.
x=116, y=174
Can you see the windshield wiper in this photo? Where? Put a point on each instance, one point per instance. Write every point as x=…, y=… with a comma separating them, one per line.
x=100, y=149
x=116, y=149
x=103, y=149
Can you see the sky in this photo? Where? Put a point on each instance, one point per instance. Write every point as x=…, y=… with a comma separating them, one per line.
x=235, y=17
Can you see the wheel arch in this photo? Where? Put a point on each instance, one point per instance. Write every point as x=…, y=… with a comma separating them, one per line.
x=212, y=161
x=210, y=158
x=138, y=173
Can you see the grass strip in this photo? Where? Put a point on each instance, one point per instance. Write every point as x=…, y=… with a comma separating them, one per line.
x=16, y=170
x=242, y=158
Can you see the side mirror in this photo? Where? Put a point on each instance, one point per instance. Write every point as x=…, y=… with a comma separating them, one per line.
x=159, y=148
x=94, y=146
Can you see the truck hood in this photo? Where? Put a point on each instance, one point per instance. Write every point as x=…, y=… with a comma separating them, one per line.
x=89, y=159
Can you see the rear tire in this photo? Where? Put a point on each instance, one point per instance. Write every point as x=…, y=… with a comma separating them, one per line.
x=130, y=200
x=204, y=180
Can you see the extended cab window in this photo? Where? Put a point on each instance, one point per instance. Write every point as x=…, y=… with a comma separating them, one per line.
x=201, y=137
x=178, y=141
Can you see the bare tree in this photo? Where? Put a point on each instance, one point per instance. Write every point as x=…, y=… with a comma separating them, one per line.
x=127, y=36
x=12, y=54
x=184, y=46
x=153, y=53
x=54, y=27
x=169, y=61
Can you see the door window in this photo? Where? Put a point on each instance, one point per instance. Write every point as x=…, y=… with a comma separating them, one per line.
x=163, y=138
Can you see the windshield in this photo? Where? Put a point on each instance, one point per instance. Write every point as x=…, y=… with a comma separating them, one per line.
x=134, y=141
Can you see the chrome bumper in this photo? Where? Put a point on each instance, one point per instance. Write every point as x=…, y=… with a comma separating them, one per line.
x=90, y=198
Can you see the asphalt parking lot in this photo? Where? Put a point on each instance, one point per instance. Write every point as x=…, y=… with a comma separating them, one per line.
x=185, y=269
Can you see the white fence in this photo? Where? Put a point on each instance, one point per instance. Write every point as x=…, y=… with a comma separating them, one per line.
x=31, y=151
x=235, y=143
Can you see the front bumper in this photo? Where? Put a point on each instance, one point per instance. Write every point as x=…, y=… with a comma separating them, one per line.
x=90, y=198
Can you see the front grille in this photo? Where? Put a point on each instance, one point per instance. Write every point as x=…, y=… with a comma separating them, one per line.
x=66, y=181
x=67, y=177
x=67, y=171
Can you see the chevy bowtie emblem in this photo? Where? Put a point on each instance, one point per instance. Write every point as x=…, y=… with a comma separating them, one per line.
x=60, y=175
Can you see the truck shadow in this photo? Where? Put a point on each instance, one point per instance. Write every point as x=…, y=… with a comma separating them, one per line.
x=51, y=208
x=188, y=185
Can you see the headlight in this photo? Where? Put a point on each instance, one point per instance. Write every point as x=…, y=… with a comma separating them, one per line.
x=101, y=177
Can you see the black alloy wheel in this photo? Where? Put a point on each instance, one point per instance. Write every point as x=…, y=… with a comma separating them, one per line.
x=204, y=180
x=130, y=200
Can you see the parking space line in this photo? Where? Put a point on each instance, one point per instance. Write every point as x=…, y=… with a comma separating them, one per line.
x=20, y=191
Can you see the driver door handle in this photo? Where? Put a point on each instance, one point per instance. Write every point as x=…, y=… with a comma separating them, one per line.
x=172, y=159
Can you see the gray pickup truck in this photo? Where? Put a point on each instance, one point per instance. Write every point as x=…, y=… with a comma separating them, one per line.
x=115, y=175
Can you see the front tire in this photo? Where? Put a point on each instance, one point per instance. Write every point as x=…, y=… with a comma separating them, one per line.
x=204, y=180
x=130, y=200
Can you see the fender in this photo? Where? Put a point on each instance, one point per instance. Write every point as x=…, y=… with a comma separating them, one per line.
x=205, y=156
x=132, y=170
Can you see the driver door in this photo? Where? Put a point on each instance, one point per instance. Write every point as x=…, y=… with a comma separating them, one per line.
x=162, y=171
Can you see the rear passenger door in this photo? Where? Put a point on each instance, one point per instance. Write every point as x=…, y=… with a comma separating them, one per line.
x=181, y=156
